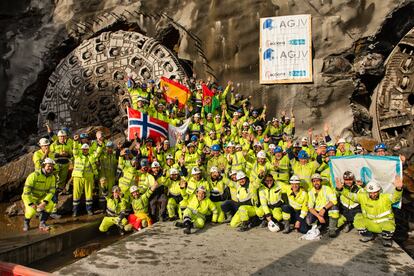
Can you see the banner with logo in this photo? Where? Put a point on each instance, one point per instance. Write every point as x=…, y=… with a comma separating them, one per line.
x=285, y=52
x=382, y=169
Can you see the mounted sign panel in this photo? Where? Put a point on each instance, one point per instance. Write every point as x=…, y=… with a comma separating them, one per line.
x=285, y=51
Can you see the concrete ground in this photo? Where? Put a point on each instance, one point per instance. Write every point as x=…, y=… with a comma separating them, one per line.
x=220, y=250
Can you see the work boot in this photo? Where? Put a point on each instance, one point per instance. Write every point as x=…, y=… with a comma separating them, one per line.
x=187, y=225
x=387, y=239
x=172, y=218
x=347, y=228
x=366, y=236
x=26, y=225
x=286, y=227
x=144, y=223
x=228, y=217
x=244, y=226
x=75, y=211
x=43, y=226
x=55, y=216
x=128, y=227
x=332, y=227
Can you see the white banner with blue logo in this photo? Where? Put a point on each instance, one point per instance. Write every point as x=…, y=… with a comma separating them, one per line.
x=285, y=52
x=382, y=169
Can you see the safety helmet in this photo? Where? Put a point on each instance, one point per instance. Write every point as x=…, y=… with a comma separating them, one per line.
x=273, y=227
x=84, y=136
x=257, y=144
x=149, y=140
x=191, y=144
x=272, y=147
x=348, y=175
x=255, y=112
x=44, y=142
x=201, y=189
x=61, y=133
x=215, y=148
x=169, y=156
x=133, y=189
x=231, y=144
x=278, y=149
x=195, y=170
x=297, y=144
x=275, y=120
x=209, y=115
x=331, y=148
x=304, y=139
x=212, y=132
x=380, y=146
x=240, y=175
x=214, y=169
x=144, y=162
x=140, y=99
x=316, y=176
x=235, y=113
x=287, y=118
x=66, y=129
x=217, y=116
x=246, y=124
x=258, y=128
x=232, y=172
x=303, y=155
x=237, y=96
x=261, y=154
x=197, y=115
x=155, y=164
x=166, y=142
x=294, y=179
x=373, y=187
x=341, y=141
x=322, y=144
x=109, y=144
x=116, y=188
x=194, y=138
x=239, y=147
x=85, y=146
x=48, y=161
x=174, y=171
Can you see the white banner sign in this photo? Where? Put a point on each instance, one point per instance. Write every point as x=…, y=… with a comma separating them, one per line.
x=285, y=49
x=382, y=169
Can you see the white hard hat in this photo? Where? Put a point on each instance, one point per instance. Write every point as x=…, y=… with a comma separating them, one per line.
x=212, y=132
x=272, y=146
x=238, y=146
x=372, y=187
x=44, y=142
x=197, y=115
x=257, y=144
x=316, y=176
x=209, y=114
x=133, y=189
x=235, y=113
x=273, y=227
x=85, y=146
x=174, y=171
x=258, y=128
x=169, y=156
x=48, y=161
x=240, y=175
x=294, y=179
x=195, y=170
x=231, y=144
x=218, y=116
x=201, y=189
x=261, y=154
x=341, y=140
x=155, y=164
x=245, y=124
x=304, y=139
x=62, y=133
x=232, y=172
x=214, y=169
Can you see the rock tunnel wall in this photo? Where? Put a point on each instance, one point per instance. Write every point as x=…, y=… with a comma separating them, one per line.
x=220, y=38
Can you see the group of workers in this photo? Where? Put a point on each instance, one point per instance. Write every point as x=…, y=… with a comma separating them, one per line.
x=231, y=166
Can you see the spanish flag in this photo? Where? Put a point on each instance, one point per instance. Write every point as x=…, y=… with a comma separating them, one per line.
x=174, y=91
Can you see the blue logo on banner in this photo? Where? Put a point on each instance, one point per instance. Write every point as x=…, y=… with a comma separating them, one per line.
x=366, y=174
x=268, y=54
x=297, y=73
x=297, y=42
x=267, y=24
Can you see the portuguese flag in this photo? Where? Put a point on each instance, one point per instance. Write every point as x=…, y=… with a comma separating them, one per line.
x=210, y=101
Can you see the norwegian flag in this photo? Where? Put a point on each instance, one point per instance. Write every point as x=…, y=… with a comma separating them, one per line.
x=145, y=126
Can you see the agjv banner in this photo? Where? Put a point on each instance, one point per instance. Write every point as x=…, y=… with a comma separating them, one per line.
x=285, y=52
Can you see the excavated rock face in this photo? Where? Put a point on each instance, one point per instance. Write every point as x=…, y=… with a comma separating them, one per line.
x=219, y=37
